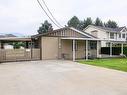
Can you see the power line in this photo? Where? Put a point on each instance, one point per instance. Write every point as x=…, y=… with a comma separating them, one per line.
x=51, y=13
x=47, y=13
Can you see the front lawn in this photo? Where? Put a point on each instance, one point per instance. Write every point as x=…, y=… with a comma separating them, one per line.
x=114, y=63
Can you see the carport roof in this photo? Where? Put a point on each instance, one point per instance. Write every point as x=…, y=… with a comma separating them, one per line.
x=16, y=39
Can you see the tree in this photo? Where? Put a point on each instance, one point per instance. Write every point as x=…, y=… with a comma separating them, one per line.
x=45, y=27
x=74, y=22
x=87, y=22
x=80, y=25
x=98, y=22
x=111, y=24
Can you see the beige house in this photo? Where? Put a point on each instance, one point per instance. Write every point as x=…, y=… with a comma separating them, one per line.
x=68, y=43
x=65, y=43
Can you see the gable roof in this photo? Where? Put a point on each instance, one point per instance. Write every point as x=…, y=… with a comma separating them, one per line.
x=107, y=29
x=82, y=32
x=87, y=35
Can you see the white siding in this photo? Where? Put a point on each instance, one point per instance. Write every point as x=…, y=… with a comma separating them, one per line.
x=100, y=34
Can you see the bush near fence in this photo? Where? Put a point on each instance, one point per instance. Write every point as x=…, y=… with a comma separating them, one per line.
x=115, y=50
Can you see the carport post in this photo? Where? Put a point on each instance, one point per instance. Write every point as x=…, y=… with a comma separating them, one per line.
x=122, y=48
x=110, y=49
x=73, y=50
x=86, y=49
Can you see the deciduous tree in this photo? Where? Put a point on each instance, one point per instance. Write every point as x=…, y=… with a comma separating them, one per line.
x=45, y=27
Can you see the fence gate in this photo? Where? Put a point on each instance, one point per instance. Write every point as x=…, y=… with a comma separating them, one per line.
x=7, y=55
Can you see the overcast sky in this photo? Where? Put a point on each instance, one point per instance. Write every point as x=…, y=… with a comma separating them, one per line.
x=25, y=16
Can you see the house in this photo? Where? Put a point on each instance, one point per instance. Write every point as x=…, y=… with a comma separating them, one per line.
x=8, y=46
x=64, y=43
x=105, y=34
x=67, y=43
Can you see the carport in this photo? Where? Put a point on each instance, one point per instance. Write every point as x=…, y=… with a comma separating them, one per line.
x=17, y=54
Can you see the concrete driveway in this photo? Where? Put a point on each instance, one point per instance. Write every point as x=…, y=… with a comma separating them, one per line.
x=60, y=78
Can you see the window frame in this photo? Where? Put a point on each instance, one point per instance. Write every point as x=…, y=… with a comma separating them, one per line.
x=123, y=35
x=112, y=35
x=120, y=35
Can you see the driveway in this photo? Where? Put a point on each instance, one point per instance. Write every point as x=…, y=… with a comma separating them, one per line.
x=60, y=78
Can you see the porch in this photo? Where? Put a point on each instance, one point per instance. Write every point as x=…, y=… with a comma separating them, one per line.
x=79, y=48
x=85, y=48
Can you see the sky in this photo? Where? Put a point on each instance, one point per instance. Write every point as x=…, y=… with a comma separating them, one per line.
x=25, y=16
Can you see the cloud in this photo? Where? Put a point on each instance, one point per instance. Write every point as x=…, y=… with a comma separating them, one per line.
x=25, y=16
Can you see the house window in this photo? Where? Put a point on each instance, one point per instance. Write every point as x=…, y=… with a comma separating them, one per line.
x=119, y=35
x=111, y=35
x=93, y=45
x=123, y=35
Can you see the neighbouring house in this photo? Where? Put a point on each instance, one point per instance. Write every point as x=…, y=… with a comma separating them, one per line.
x=8, y=46
x=105, y=34
x=67, y=43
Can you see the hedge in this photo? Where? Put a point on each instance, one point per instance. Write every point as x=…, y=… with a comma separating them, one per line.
x=115, y=50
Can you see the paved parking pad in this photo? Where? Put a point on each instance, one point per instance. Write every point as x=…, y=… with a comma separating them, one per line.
x=53, y=77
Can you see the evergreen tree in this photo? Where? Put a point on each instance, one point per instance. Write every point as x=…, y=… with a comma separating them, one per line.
x=74, y=22
x=98, y=22
x=87, y=22
x=111, y=24
x=80, y=25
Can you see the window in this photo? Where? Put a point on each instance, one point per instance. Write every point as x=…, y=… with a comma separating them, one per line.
x=123, y=35
x=93, y=45
x=119, y=35
x=111, y=35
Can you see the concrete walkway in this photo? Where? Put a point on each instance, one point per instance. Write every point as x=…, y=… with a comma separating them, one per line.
x=60, y=78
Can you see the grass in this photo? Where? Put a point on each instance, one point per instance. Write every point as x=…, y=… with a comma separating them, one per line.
x=114, y=63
